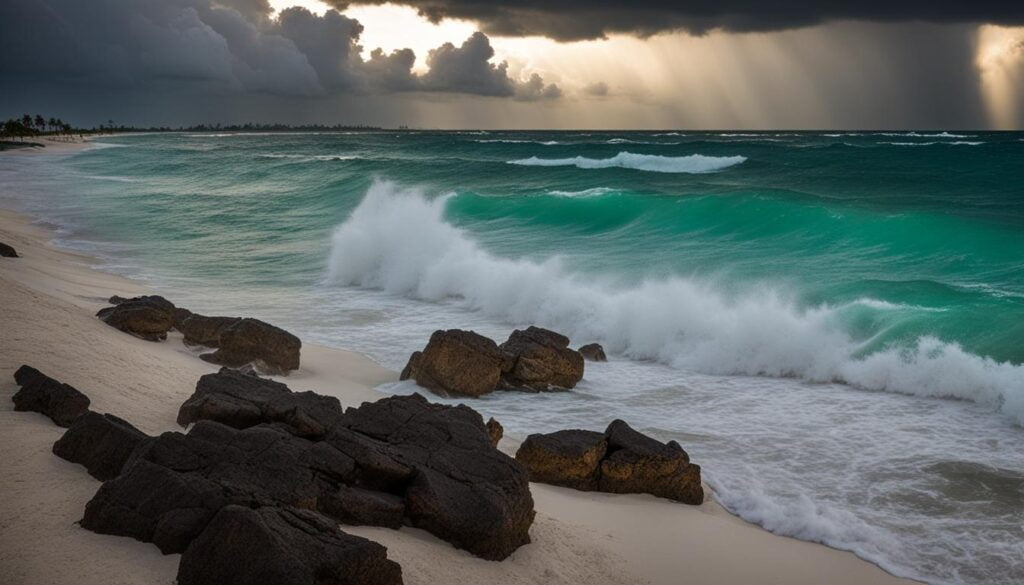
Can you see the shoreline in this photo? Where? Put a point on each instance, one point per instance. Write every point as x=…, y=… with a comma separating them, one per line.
x=49, y=296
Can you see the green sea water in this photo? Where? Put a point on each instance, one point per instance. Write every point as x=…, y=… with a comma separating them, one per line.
x=741, y=281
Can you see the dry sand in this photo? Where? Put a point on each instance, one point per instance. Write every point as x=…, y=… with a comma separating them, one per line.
x=47, y=301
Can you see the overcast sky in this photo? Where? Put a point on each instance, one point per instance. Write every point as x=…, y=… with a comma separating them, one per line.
x=517, y=64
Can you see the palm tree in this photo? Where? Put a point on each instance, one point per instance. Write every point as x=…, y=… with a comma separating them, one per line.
x=52, y=124
x=40, y=122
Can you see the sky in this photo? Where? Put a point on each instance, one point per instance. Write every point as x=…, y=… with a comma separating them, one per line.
x=519, y=64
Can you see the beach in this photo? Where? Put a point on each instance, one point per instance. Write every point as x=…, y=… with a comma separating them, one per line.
x=48, y=298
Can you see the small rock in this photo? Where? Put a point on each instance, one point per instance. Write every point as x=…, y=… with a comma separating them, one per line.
x=100, y=442
x=41, y=393
x=539, y=360
x=569, y=458
x=495, y=431
x=593, y=352
x=7, y=251
x=267, y=545
x=271, y=349
x=456, y=363
x=146, y=317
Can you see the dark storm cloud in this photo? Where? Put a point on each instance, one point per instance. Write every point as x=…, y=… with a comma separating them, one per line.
x=589, y=19
x=468, y=69
x=229, y=46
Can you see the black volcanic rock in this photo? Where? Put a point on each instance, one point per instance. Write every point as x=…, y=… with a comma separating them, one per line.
x=455, y=484
x=276, y=546
x=147, y=317
x=400, y=460
x=540, y=360
x=173, y=485
x=621, y=460
x=102, y=443
x=270, y=349
x=242, y=400
x=41, y=393
x=7, y=251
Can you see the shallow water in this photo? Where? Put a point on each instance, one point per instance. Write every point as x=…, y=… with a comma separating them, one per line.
x=829, y=323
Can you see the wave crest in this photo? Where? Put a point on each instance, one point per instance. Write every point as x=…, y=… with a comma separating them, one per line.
x=694, y=163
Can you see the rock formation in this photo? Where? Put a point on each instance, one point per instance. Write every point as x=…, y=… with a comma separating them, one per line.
x=102, y=443
x=146, y=317
x=621, y=460
x=41, y=393
x=7, y=251
x=282, y=546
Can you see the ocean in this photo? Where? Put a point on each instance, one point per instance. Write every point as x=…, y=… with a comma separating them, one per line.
x=832, y=324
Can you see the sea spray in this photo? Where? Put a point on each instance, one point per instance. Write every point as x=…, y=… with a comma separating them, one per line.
x=398, y=240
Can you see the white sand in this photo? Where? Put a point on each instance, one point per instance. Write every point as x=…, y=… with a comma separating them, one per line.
x=47, y=301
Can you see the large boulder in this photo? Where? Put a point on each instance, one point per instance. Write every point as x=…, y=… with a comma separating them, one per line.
x=172, y=486
x=593, y=352
x=147, y=317
x=456, y=363
x=270, y=349
x=540, y=360
x=242, y=400
x=244, y=546
x=440, y=459
x=7, y=251
x=569, y=458
x=61, y=402
x=621, y=460
x=102, y=443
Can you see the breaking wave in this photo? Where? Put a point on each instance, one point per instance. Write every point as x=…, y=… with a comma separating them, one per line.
x=694, y=163
x=398, y=240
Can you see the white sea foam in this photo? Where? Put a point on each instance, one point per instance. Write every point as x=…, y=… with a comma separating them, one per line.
x=311, y=157
x=517, y=141
x=926, y=135
x=933, y=143
x=397, y=240
x=694, y=163
x=594, y=192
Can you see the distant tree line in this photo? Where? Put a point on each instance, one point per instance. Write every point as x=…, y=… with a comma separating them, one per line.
x=29, y=126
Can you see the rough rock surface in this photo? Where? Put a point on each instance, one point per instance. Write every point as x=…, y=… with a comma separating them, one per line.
x=202, y=330
x=251, y=341
x=41, y=393
x=456, y=363
x=622, y=460
x=267, y=545
x=570, y=458
x=242, y=400
x=173, y=485
x=593, y=352
x=100, y=442
x=495, y=431
x=398, y=460
x=540, y=360
x=7, y=251
x=146, y=317
x=454, y=483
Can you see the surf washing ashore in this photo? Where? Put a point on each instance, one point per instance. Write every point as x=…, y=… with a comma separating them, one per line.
x=828, y=323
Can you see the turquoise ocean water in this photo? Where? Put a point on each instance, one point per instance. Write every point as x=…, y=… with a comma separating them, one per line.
x=831, y=323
